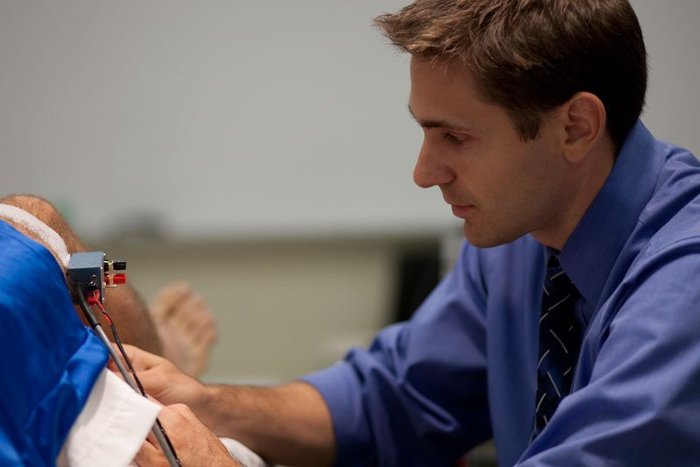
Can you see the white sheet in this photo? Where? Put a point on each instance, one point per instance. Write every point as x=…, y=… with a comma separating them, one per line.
x=111, y=427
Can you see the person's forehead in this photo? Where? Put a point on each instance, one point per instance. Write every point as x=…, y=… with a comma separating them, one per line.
x=446, y=95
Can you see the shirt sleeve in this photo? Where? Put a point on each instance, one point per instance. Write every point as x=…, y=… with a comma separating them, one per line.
x=418, y=395
x=639, y=401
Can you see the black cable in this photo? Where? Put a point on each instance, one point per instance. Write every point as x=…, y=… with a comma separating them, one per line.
x=87, y=311
x=118, y=341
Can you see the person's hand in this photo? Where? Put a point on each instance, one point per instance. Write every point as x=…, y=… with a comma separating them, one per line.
x=194, y=444
x=161, y=379
x=186, y=327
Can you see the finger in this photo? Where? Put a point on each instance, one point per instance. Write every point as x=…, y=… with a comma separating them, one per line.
x=151, y=380
x=173, y=414
x=148, y=454
x=140, y=359
x=151, y=439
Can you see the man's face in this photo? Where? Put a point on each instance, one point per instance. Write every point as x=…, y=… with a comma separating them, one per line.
x=502, y=187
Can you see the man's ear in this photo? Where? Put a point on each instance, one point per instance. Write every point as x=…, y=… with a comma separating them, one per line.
x=584, y=122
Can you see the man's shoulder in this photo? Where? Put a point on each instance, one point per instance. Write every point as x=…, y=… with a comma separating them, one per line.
x=671, y=219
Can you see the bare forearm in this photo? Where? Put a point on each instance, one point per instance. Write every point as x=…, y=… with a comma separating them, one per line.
x=287, y=425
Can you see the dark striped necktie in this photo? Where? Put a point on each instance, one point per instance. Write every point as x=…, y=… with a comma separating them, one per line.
x=560, y=342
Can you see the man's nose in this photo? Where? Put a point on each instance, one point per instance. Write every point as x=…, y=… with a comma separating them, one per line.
x=430, y=169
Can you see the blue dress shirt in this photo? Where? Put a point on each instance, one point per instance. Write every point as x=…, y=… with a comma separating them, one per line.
x=463, y=369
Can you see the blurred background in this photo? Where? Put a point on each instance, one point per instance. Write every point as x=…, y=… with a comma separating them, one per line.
x=261, y=151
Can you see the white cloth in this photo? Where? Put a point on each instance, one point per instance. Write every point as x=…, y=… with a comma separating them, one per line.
x=242, y=454
x=111, y=427
x=114, y=424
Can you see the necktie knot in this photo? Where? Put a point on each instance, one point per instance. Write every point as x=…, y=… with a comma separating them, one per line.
x=560, y=340
x=556, y=282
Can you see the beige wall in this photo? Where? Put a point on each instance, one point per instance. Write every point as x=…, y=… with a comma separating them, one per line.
x=284, y=307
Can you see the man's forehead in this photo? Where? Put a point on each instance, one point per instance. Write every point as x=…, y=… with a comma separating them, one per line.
x=451, y=102
x=427, y=122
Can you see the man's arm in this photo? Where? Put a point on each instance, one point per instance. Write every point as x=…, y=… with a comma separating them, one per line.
x=417, y=396
x=126, y=308
x=288, y=424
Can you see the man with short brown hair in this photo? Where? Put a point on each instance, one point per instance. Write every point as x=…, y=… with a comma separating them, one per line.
x=568, y=329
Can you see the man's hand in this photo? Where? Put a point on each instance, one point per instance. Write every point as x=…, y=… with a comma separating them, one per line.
x=162, y=379
x=194, y=444
x=288, y=424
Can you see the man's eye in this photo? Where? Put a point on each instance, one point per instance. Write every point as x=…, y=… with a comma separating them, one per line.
x=453, y=138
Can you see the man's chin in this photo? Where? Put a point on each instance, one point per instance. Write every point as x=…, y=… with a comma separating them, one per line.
x=483, y=238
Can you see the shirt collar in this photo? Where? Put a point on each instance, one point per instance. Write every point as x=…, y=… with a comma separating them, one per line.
x=590, y=252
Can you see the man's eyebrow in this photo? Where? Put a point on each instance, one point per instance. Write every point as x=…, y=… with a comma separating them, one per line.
x=436, y=123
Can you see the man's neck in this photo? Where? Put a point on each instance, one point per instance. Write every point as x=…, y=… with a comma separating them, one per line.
x=586, y=181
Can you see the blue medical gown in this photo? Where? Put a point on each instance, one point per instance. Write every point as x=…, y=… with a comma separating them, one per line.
x=49, y=360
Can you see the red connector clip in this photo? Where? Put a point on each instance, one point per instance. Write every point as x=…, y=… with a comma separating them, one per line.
x=112, y=280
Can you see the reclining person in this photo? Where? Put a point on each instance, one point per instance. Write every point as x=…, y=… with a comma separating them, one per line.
x=58, y=397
